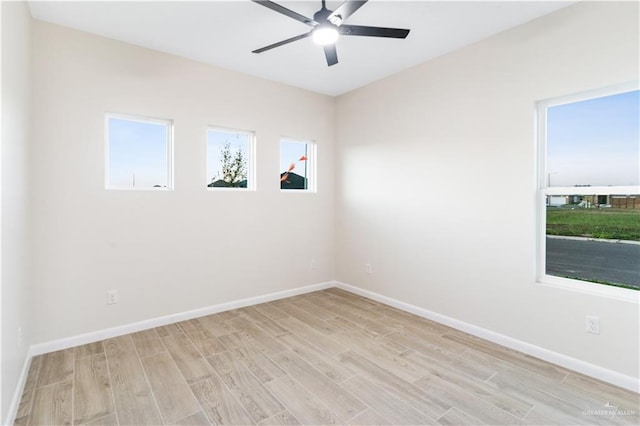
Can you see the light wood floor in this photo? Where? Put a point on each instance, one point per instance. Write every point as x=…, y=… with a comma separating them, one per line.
x=328, y=357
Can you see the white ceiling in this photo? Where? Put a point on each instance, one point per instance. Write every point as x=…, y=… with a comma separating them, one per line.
x=223, y=33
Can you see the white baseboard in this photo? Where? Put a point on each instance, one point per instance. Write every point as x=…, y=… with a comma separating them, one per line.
x=610, y=376
x=592, y=370
x=94, y=336
x=22, y=380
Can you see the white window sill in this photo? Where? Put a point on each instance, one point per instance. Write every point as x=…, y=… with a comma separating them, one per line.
x=592, y=289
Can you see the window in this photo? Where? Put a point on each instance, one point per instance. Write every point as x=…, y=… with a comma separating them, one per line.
x=297, y=161
x=139, y=153
x=230, y=159
x=589, y=190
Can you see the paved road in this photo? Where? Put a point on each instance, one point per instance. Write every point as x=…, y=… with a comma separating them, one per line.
x=612, y=262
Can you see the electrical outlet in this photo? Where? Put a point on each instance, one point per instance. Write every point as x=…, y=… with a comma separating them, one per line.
x=592, y=324
x=367, y=268
x=314, y=264
x=112, y=297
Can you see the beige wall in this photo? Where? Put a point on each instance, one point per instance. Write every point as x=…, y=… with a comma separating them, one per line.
x=14, y=261
x=421, y=153
x=165, y=252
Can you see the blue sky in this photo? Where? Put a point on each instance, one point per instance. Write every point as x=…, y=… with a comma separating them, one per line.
x=137, y=148
x=595, y=142
x=137, y=151
x=290, y=152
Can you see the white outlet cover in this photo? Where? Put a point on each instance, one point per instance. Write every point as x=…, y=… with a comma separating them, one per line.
x=112, y=297
x=592, y=324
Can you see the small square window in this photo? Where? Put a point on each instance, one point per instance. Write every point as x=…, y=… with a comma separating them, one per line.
x=297, y=160
x=138, y=153
x=230, y=162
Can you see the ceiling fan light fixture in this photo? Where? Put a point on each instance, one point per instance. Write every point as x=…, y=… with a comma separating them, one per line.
x=325, y=34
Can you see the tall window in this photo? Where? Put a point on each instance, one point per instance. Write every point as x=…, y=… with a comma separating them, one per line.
x=297, y=165
x=589, y=189
x=230, y=162
x=139, y=153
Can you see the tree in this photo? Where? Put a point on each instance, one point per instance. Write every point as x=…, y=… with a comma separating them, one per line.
x=234, y=166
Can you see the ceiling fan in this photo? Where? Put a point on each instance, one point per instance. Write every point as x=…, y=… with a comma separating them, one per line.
x=327, y=25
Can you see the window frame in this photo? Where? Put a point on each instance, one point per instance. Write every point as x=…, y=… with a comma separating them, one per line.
x=312, y=175
x=251, y=160
x=169, y=150
x=543, y=190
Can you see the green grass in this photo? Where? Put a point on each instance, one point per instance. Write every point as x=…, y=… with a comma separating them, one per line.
x=592, y=280
x=615, y=224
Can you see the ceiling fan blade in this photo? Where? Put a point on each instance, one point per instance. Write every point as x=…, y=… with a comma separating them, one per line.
x=331, y=54
x=287, y=12
x=347, y=8
x=358, y=30
x=283, y=42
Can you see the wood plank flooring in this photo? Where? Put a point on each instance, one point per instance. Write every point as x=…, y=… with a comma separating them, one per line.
x=329, y=357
